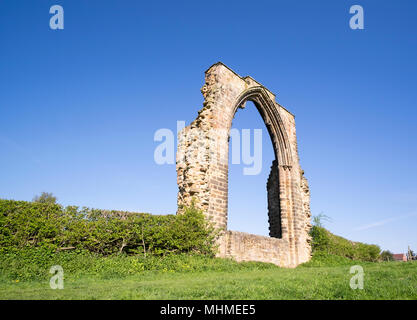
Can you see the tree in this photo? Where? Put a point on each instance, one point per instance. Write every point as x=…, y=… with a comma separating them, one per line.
x=318, y=220
x=45, y=197
x=387, y=255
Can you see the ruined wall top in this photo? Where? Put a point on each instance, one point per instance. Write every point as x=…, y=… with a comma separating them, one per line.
x=247, y=81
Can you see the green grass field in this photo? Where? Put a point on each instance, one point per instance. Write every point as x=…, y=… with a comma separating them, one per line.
x=104, y=257
x=196, y=277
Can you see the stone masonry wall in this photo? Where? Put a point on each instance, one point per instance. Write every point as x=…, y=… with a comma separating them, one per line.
x=202, y=171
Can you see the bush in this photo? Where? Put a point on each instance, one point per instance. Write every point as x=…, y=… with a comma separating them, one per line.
x=45, y=197
x=387, y=255
x=325, y=241
x=55, y=228
x=324, y=259
x=35, y=263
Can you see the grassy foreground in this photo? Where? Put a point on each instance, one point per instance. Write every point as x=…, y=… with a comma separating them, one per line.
x=197, y=277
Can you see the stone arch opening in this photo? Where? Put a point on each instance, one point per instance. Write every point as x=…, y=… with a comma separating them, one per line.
x=251, y=154
x=272, y=119
x=202, y=170
x=281, y=145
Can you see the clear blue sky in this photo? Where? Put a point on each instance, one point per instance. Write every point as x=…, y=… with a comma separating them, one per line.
x=79, y=106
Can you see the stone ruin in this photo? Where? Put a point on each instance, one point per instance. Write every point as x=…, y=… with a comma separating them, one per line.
x=202, y=171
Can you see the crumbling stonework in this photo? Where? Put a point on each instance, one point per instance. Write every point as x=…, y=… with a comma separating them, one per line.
x=202, y=169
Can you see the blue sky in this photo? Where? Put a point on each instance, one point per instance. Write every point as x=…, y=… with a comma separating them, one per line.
x=79, y=107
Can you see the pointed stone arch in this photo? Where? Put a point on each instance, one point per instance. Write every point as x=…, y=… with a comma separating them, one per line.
x=202, y=170
x=272, y=119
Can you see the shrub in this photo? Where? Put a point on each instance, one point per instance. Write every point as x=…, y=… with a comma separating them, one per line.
x=35, y=263
x=45, y=197
x=53, y=227
x=387, y=255
x=325, y=241
x=324, y=259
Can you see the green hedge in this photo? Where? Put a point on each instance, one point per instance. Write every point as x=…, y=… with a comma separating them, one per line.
x=51, y=226
x=34, y=264
x=325, y=241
